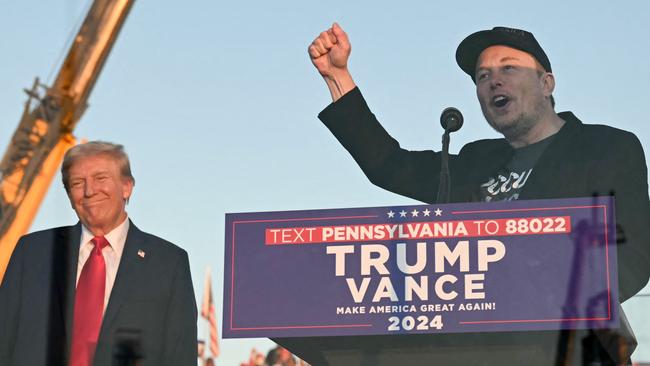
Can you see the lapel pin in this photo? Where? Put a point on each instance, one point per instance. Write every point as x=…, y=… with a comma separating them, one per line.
x=141, y=253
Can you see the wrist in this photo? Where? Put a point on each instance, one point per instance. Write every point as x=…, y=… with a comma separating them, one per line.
x=339, y=83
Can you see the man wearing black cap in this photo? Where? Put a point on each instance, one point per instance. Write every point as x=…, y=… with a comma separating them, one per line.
x=543, y=154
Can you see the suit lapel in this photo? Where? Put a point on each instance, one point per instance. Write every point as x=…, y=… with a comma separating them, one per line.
x=487, y=164
x=539, y=185
x=131, y=265
x=66, y=254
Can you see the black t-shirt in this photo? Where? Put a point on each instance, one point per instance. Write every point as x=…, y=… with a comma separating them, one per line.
x=508, y=182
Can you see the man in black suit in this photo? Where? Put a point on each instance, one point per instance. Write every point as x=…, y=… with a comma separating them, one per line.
x=101, y=291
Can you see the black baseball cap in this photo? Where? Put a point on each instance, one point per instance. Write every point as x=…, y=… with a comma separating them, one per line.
x=472, y=46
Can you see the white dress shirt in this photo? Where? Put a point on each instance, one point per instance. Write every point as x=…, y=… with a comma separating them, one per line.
x=112, y=253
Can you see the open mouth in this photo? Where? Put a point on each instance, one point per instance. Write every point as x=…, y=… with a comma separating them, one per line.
x=500, y=101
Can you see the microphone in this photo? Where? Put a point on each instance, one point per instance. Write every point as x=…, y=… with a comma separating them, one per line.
x=451, y=119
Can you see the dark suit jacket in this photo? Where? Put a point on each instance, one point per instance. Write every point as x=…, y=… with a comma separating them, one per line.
x=151, y=311
x=581, y=161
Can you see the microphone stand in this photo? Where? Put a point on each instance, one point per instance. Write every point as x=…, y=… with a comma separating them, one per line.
x=451, y=120
x=444, y=185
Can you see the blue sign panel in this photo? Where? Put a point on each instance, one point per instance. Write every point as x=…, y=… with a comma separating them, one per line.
x=473, y=267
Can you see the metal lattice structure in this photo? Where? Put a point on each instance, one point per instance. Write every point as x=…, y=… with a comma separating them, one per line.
x=49, y=118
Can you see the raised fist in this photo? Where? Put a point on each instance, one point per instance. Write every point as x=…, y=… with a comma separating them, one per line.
x=329, y=52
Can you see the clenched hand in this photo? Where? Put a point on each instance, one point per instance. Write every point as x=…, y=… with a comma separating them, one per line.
x=329, y=53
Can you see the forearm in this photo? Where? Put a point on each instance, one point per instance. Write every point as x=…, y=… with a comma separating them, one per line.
x=383, y=161
x=339, y=83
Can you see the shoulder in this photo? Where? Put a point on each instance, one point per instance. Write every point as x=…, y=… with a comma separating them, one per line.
x=602, y=141
x=162, y=247
x=49, y=232
x=605, y=132
x=599, y=132
x=48, y=236
x=41, y=248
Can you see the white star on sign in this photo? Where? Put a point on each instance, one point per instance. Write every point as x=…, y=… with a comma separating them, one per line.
x=402, y=213
x=391, y=214
x=415, y=213
x=426, y=212
x=438, y=212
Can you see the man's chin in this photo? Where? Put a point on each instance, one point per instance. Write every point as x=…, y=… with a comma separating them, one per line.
x=502, y=125
x=93, y=222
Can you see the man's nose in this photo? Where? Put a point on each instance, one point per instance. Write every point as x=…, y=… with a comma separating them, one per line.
x=496, y=82
x=89, y=188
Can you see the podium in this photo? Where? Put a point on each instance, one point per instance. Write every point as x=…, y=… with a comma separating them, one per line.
x=538, y=348
x=512, y=348
x=506, y=283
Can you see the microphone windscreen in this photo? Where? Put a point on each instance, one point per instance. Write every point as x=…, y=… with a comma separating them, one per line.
x=451, y=119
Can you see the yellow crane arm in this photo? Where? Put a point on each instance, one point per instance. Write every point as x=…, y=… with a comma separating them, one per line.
x=45, y=130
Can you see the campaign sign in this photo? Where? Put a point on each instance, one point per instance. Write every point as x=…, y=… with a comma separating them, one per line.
x=474, y=267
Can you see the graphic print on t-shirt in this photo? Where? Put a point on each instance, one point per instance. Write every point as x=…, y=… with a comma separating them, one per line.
x=507, y=183
x=505, y=187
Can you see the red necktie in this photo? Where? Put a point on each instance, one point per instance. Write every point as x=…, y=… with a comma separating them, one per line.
x=89, y=306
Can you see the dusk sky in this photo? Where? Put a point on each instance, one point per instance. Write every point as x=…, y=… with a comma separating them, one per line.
x=216, y=102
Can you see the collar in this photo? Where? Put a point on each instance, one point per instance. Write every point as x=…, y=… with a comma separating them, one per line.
x=116, y=237
x=571, y=126
x=572, y=123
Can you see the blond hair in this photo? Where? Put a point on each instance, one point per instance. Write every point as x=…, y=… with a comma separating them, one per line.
x=94, y=148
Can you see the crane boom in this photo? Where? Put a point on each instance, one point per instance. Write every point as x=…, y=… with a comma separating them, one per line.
x=50, y=115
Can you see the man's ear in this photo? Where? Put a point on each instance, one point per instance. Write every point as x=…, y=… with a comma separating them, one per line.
x=548, y=83
x=127, y=188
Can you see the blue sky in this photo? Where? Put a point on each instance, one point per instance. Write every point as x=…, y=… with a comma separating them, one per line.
x=216, y=102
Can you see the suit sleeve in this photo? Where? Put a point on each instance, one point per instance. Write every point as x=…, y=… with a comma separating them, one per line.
x=632, y=217
x=10, y=295
x=413, y=174
x=180, y=339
